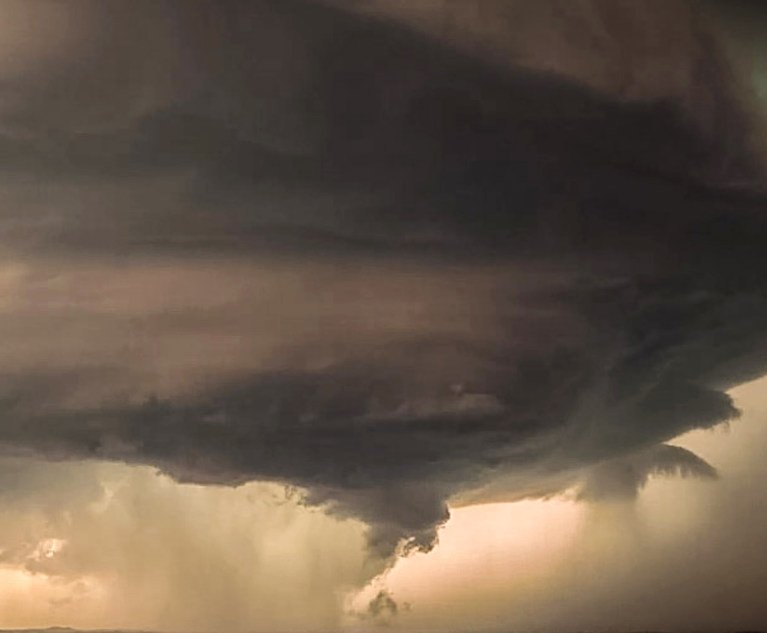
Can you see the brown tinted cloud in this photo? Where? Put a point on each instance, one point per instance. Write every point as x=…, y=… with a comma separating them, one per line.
x=381, y=259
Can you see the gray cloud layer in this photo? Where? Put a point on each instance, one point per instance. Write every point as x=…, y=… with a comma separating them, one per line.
x=289, y=242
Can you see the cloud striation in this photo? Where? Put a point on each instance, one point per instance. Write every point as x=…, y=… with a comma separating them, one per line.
x=363, y=253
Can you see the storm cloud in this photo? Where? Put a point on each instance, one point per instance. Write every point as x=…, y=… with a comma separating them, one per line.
x=380, y=258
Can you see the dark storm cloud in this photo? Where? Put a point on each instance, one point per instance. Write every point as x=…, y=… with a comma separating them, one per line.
x=364, y=261
x=399, y=137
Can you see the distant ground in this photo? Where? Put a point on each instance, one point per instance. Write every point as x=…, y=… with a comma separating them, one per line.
x=65, y=629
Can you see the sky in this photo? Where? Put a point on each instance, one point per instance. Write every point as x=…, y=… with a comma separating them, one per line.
x=329, y=314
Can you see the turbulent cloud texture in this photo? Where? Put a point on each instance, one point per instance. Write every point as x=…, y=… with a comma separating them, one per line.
x=390, y=256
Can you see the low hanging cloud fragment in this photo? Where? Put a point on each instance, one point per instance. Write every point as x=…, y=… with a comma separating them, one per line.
x=623, y=478
x=382, y=605
x=357, y=255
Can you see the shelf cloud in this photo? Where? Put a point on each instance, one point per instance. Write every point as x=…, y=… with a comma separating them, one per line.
x=393, y=255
